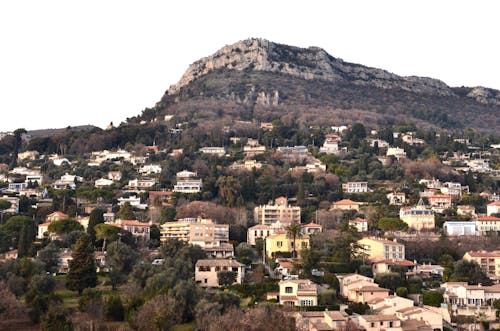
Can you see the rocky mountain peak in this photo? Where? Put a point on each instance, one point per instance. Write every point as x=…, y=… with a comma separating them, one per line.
x=307, y=63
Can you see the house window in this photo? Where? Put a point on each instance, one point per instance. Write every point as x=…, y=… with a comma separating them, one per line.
x=288, y=289
x=279, y=244
x=205, y=280
x=306, y=302
x=372, y=325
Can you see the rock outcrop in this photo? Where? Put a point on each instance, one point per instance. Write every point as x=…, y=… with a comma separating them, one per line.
x=307, y=63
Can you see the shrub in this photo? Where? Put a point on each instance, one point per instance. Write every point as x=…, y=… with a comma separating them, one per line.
x=114, y=309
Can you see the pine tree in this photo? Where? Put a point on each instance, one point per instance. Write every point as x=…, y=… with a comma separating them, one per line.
x=82, y=271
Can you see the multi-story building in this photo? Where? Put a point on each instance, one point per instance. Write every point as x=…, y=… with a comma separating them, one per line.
x=462, y=295
x=418, y=218
x=439, y=202
x=488, y=260
x=282, y=243
x=279, y=211
x=196, y=231
x=261, y=231
x=298, y=292
x=381, y=249
x=253, y=148
x=139, y=230
x=206, y=271
x=355, y=187
x=351, y=281
x=487, y=224
x=187, y=182
x=293, y=154
x=360, y=224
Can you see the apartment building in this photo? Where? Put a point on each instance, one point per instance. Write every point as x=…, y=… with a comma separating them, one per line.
x=187, y=182
x=439, y=202
x=196, y=231
x=487, y=224
x=280, y=211
x=382, y=249
x=488, y=260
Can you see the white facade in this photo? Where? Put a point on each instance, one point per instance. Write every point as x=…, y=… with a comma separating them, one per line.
x=355, y=187
x=460, y=228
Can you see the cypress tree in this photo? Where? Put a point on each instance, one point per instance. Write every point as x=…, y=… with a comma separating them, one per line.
x=82, y=271
x=96, y=217
x=22, y=244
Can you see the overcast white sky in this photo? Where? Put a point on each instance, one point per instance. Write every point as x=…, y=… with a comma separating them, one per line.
x=91, y=62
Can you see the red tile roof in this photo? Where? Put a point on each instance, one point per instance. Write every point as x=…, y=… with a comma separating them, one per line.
x=488, y=218
x=346, y=202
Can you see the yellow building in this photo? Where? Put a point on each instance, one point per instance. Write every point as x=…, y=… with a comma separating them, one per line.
x=418, y=218
x=280, y=242
x=488, y=260
x=381, y=249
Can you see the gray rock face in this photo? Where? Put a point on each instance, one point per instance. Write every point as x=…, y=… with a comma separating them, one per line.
x=306, y=63
x=485, y=95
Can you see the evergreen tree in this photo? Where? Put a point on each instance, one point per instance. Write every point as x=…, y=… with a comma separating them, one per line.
x=26, y=238
x=82, y=271
x=126, y=212
x=96, y=217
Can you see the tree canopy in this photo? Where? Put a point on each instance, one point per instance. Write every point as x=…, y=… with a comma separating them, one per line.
x=82, y=270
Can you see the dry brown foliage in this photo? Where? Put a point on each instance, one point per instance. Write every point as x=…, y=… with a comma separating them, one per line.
x=218, y=213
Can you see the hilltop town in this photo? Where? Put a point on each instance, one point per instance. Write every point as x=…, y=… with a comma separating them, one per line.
x=252, y=225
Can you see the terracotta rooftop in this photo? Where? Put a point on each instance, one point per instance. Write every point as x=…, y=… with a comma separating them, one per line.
x=346, y=202
x=218, y=263
x=484, y=253
x=373, y=289
x=379, y=318
x=488, y=218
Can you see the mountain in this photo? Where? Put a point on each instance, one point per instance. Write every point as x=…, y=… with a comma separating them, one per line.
x=256, y=79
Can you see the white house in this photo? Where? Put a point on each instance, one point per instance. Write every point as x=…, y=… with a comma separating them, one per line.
x=103, y=182
x=460, y=228
x=149, y=169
